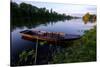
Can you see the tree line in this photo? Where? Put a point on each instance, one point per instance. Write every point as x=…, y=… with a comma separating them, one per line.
x=27, y=11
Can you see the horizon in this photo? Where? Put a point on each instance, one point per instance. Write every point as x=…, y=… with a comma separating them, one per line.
x=68, y=9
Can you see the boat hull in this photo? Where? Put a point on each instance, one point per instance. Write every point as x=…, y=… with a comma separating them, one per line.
x=41, y=38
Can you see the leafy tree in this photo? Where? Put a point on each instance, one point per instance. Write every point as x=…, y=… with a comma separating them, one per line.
x=89, y=17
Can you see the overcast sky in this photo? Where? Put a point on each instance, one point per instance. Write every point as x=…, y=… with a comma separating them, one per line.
x=63, y=8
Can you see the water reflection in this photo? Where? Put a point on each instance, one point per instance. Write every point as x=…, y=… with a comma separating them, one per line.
x=29, y=23
x=33, y=24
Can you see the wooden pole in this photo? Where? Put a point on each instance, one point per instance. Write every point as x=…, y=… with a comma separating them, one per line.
x=36, y=51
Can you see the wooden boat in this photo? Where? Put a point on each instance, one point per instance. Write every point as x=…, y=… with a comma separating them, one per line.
x=48, y=36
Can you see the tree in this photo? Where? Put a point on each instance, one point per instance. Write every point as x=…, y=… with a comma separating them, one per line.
x=89, y=17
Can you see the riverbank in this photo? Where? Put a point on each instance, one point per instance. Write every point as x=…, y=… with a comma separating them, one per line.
x=83, y=50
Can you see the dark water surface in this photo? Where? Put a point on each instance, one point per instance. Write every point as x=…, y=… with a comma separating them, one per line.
x=45, y=52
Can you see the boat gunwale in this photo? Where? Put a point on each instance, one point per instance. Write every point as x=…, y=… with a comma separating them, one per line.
x=48, y=38
x=38, y=37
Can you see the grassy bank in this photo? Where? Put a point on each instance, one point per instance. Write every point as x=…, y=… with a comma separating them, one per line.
x=83, y=50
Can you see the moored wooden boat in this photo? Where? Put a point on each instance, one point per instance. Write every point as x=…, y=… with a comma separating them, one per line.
x=48, y=36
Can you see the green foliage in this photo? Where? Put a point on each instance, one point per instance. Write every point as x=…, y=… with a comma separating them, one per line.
x=24, y=56
x=43, y=43
x=84, y=51
x=89, y=17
